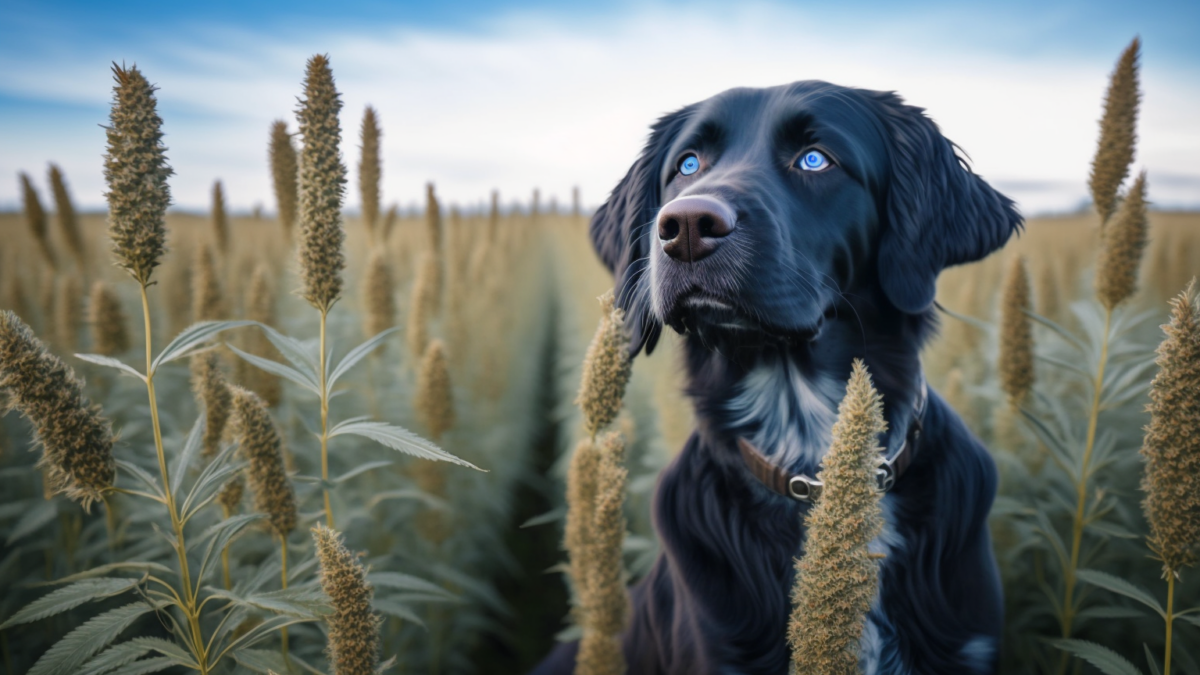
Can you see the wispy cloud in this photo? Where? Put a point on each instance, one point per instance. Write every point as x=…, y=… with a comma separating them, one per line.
x=522, y=101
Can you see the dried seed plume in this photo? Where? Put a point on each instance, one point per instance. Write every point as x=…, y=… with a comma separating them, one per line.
x=322, y=184
x=68, y=220
x=1123, y=241
x=606, y=369
x=434, y=397
x=838, y=579
x=353, y=626
x=220, y=219
x=369, y=170
x=1118, y=133
x=262, y=446
x=76, y=441
x=1016, y=335
x=284, y=175
x=108, y=322
x=1171, y=448
x=35, y=219
x=135, y=168
x=211, y=390
x=379, y=295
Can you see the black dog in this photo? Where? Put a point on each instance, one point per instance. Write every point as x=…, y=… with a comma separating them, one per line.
x=786, y=232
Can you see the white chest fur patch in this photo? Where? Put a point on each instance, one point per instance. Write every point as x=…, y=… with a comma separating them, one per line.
x=789, y=416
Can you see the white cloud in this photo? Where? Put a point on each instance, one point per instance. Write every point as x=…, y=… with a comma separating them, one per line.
x=552, y=103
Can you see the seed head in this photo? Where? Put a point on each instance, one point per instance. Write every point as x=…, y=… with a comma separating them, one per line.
x=369, y=171
x=1118, y=132
x=136, y=170
x=1172, y=444
x=322, y=184
x=1016, y=335
x=76, y=441
x=606, y=369
x=208, y=304
x=580, y=525
x=68, y=308
x=353, y=627
x=284, y=175
x=260, y=307
x=389, y=221
x=837, y=579
x=433, y=218
x=379, y=296
x=220, y=220
x=261, y=445
x=607, y=604
x=434, y=396
x=68, y=222
x=212, y=394
x=231, y=493
x=424, y=304
x=35, y=218
x=1123, y=241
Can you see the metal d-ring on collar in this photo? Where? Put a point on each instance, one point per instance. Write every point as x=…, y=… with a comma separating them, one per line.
x=804, y=488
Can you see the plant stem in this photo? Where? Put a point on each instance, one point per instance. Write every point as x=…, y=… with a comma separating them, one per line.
x=110, y=527
x=1170, y=620
x=1082, y=492
x=225, y=553
x=324, y=426
x=189, y=597
x=283, y=581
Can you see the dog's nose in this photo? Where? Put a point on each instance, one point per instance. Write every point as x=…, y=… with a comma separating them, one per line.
x=691, y=228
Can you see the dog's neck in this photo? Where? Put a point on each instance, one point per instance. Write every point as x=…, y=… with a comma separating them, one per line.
x=783, y=395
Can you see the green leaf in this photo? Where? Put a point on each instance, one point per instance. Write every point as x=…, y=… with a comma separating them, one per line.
x=110, y=567
x=1108, y=661
x=355, y=356
x=1111, y=529
x=303, y=603
x=261, y=660
x=1111, y=613
x=429, y=500
x=407, y=582
x=397, y=609
x=1151, y=660
x=548, y=517
x=33, y=520
x=110, y=362
x=276, y=368
x=211, y=480
x=154, y=664
x=190, y=446
x=141, y=475
x=114, y=657
x=1059, y=330
x=361, y=469
x=168, y=649
x=67, y=597
x=69, y=653
x=969, y=320
x=398, y=438
x=301, y=356
x=1120, y=586
x=190, y=338
x=219, y=535
x=1193, y=619
x=260, y=633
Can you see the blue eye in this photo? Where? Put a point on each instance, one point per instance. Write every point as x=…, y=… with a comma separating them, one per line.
x=813, y=160
x=689, y=165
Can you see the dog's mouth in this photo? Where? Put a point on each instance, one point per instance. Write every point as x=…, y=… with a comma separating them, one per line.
x=697, y=310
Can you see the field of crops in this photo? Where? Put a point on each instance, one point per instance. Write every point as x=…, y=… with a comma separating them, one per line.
x=439, y=454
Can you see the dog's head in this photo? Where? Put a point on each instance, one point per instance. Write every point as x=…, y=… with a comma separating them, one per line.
x=760, y=209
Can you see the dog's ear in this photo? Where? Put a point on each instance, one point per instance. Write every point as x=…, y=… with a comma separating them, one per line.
x=939, y=213
x=620, y=231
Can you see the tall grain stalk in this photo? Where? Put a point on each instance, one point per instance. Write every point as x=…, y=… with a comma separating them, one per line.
x=1123, y=241
x=322, y=184
x=136, y=170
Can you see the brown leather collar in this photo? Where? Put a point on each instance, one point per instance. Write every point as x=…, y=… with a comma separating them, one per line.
x=804, y=488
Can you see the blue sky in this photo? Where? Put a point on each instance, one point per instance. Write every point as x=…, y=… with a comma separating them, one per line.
x=517, y=95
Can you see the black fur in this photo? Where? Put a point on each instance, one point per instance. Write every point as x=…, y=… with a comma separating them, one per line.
x=822, y=268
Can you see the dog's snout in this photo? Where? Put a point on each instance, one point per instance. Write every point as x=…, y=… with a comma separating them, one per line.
x=691, y=228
